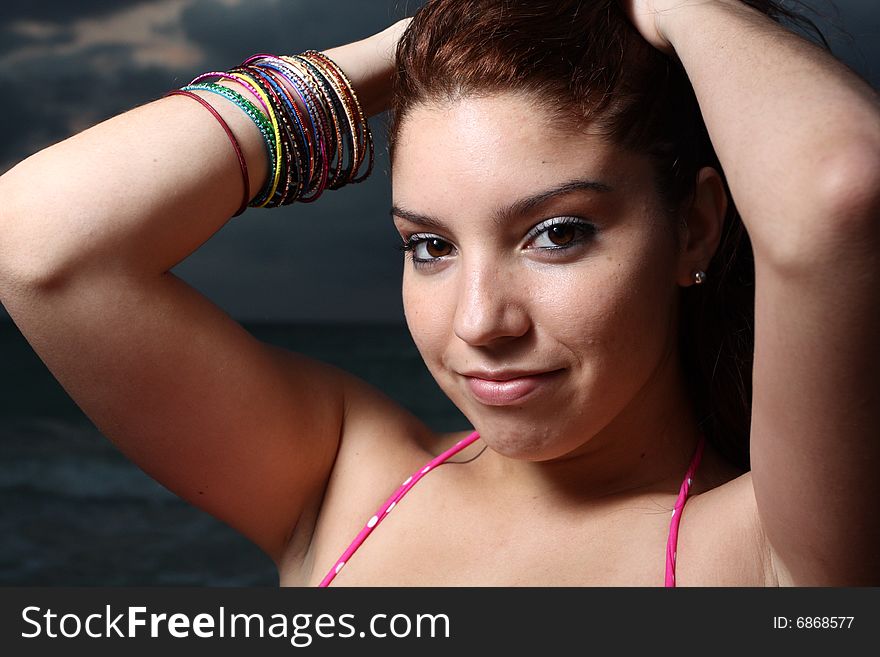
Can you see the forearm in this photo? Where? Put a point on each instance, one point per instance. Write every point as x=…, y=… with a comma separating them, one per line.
x=140, y=192
x=783, y=115
x=369, y=64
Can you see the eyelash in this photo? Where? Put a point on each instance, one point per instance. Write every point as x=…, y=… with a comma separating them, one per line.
x=585, y=231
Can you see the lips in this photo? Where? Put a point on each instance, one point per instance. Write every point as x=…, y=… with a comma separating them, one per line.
x=505, y=388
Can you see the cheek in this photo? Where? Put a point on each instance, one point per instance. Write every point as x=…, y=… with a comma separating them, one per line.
x=428, y=316
x=615, y=310
x=588, y=312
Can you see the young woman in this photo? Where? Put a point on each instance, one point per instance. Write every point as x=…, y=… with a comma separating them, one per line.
x=641, y=257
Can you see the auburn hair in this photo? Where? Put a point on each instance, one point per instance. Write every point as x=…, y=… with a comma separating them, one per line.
x=583, y=63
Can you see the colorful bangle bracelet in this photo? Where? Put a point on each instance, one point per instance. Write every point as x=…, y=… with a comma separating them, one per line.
x=316, y=148
x=331, y=108
x=353, y=106
x=277, y=132
x=285, y=104
x=319, y=119
x=349, y=101
x=290, y=159
x=302, y=140
x=255, y=115
x=362, y=123
x=314, y=128
x=242, y=163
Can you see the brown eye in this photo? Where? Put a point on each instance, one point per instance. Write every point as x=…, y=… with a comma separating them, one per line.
x=561, y=234
x=437, y=248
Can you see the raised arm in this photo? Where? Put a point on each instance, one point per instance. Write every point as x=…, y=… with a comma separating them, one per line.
x=89, y=229
x=798, y=136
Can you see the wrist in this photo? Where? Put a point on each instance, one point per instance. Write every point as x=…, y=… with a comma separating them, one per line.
x=675, y=23
x=369, y=64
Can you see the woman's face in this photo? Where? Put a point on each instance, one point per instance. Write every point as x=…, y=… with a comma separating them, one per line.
x=533, y=251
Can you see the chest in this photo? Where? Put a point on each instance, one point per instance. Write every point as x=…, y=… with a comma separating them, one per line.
x=441, y=534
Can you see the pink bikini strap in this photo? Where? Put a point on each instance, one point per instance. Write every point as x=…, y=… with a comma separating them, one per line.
x=413, y=479
x=390, y=503
x=672, y=541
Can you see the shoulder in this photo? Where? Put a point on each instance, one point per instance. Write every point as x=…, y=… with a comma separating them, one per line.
x=381, y=444
x=723, y=543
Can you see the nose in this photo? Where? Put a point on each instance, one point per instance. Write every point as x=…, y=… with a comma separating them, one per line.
x=489, y=306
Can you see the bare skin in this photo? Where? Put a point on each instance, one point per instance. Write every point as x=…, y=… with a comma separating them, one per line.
x=541, y=485
x=296, y=455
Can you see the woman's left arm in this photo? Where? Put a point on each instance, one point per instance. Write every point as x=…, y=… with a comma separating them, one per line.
x=798, y=136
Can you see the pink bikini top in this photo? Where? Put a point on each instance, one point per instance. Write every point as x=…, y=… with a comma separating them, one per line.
x=411, y=481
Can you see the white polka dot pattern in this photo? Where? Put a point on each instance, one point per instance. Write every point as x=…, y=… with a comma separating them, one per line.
x=392, y=501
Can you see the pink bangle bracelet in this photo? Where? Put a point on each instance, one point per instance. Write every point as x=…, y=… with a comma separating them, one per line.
x=238, y=153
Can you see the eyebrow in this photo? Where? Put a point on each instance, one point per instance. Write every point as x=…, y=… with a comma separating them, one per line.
x=518, y=208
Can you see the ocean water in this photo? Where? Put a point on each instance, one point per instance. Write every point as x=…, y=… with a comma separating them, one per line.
x=75, y=512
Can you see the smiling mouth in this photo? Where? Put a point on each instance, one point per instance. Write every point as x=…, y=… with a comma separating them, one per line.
x=493, y=392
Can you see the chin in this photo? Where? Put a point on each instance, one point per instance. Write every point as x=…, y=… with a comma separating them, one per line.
x=519, y=439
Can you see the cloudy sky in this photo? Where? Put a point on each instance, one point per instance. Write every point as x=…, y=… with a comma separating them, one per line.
x=65, y=65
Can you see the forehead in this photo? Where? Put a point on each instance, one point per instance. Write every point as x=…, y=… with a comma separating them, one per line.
x=487, y=148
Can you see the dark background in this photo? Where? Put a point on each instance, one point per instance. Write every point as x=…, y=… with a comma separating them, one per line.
x=322, y=279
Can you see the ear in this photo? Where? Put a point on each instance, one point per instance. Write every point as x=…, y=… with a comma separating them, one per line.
x=702, y=224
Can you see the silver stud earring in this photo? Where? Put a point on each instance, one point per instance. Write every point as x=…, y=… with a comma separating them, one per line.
x=699, y=277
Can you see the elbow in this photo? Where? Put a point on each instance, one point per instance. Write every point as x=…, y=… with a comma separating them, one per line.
x=840, y=224
x=23, y=264
x=9, y=227
x=26, y=244
x=851, y=190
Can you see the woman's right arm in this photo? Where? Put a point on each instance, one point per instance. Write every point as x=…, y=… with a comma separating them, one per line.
x=89, y=229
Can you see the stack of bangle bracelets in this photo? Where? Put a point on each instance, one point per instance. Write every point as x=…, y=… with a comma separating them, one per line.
x=306, y=150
